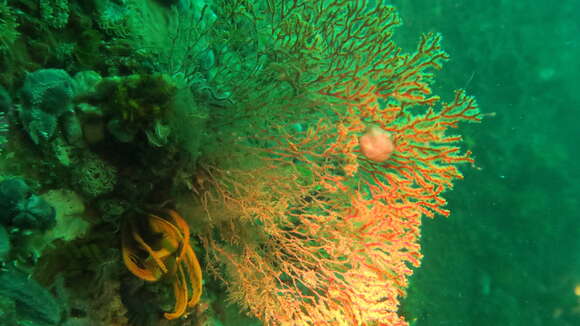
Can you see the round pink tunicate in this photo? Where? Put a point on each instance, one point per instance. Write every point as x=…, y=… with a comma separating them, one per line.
x=376, y=144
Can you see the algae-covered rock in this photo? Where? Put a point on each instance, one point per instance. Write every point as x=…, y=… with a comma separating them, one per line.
x=46, y=95
x=21, y=209
x=34, y=214
x=69, y=214
x=50, y=90
x=33, y=302
x=12, y=191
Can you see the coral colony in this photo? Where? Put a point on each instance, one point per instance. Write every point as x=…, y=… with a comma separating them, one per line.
x=165, y=161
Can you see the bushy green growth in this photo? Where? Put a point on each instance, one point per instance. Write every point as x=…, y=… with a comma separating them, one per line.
x=55, y=13
x=8, y=25
x=88, y=43
x=136, y=100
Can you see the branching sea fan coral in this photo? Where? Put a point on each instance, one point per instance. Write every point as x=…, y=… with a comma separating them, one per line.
x=303, y=227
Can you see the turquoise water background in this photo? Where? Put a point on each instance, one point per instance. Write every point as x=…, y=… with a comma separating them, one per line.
x=510, y=252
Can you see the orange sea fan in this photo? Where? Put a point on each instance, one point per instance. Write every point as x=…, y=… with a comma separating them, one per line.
x=303, y=228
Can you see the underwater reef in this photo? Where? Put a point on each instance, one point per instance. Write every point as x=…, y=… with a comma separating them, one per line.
x=217, y=162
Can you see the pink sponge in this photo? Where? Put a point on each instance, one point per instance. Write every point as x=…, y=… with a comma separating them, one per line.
x=376, y=144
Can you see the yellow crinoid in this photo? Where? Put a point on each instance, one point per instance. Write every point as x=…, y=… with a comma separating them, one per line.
x=158, y=248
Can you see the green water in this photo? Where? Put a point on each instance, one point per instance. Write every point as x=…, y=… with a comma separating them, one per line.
x=510, y=252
